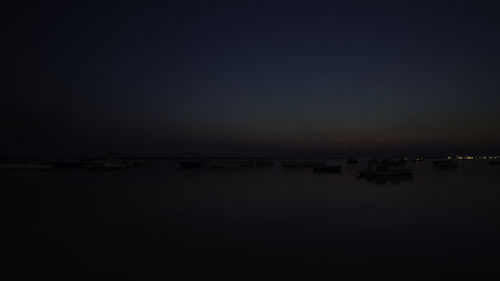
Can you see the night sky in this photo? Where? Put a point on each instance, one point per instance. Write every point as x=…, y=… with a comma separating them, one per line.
x=250, y=78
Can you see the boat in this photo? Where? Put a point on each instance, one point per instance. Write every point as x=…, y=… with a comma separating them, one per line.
x=328, y=169
x=352, y=161
x=223, y=164
x=495, y=162
x=23, y=167
x=445, y=164
x=418, y=159
x=303, y=164
x=372, y=162
x=107, y=165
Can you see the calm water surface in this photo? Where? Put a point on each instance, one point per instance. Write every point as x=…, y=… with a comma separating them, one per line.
x=253, y=223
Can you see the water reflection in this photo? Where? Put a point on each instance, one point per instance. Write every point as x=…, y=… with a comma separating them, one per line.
x=285, y=222
x=389, y=180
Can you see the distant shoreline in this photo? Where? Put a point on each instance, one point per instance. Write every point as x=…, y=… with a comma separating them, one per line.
x=231, y=157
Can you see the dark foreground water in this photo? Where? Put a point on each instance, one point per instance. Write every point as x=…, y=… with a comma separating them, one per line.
x=252, y=224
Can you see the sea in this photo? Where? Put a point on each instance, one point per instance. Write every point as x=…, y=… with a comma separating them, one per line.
x=252, y=223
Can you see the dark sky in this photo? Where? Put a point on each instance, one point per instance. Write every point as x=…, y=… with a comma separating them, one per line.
x=231, y=77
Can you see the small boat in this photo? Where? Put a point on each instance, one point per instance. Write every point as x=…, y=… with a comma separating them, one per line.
x=352, y=161
x=372, y=162
x=107, y=165
x=328, y=169
x=418, y=159
x=495, y=162
x=303, y=164
x=445, y=164
x=223, y=164
x=190, y=164
x=21, y=167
